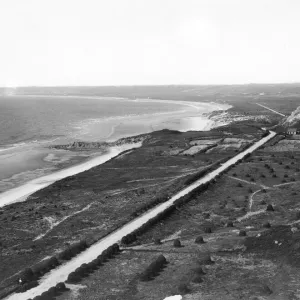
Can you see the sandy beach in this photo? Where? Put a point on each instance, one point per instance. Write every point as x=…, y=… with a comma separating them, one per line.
x=30, y=166
x=22, y=192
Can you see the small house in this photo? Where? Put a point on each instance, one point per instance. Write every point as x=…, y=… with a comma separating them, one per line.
x=292, y=131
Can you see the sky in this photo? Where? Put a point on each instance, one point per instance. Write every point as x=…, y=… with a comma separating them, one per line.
x=145, y=42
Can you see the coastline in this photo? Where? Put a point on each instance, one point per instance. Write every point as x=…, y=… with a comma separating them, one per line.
x=21, y=193
x=193, y=123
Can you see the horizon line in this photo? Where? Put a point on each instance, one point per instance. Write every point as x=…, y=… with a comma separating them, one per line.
x=148, y=85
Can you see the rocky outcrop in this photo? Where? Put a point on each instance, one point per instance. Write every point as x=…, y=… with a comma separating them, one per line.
x=293, y=119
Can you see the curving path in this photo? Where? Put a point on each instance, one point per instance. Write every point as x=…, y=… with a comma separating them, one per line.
x=61, y=273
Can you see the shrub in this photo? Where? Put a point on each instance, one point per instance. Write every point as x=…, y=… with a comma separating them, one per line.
x=229, y=224
x=157, y=242
x=286, y=176
x=45, y=266
x=267, y=225
x=183, y=288
x=26, y=275
x=199, y=271
x=207, y=230
x=65, y=254
x=242, y=233
x=205, y=260
x=27, y=286
x=274, y=175
x=270, y=207
x=199, y=240
x=93, y=265
x=61, y=287
x=197, y=279
x=77, y=247
x=52, y=291
x=239, y=185
x=154, y=268
x=177, y=243
x=206, y=215
x=73, y=277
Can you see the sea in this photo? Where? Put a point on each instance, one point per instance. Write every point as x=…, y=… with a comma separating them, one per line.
x=30, y=125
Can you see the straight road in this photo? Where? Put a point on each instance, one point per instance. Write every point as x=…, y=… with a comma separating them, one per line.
x=274, y=111
x=61, y=273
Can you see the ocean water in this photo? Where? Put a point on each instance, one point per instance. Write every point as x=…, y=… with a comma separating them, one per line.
x=29, y=125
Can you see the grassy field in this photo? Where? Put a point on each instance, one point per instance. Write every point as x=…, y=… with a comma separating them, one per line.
x=258, y=264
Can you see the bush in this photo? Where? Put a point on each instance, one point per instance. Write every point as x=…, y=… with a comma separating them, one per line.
x=199, y=271
x=93, y=265
x=199, y=240
x=61, y=287
x=73, y=277
x=65, y=254
x=154, y=268
x=27, y=286
x=197, y=279
x=177, y=243
x=207, y=230
x=239, y=185
x=77, y=247
x=183, y=288
x=242, y=233
x=205, y=260
x=267, y=225
x=45, y=266
x=157, y=242
x=270, y=207
x=229, y=224
x=26, y=275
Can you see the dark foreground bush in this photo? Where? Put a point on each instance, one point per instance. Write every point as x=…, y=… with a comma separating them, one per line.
x=270, y=207
x=45, y=266
x=26, y=275
x=267, y=225
x=157, y=242
x=197, y=279
x=199, y=271
x=66, y=254
x=199, y=240
x=229, y=224
x=207, y=230
x=183, y=288
x=73, y=277
x=205, y=260
x=242, y=233
x=154, y=268
x=27, y=286
x=61, y=287
x=177, y=243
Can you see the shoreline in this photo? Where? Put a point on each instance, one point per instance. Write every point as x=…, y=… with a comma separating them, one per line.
x=20, y=193
x=195, y=123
